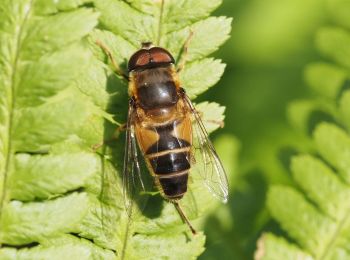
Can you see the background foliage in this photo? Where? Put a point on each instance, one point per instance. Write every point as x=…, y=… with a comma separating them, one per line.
x=318, y=212
x=272, y=43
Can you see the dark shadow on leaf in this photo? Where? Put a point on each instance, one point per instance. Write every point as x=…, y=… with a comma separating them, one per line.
x=154, y=207
x=317, y=117
x=115, y=143
x=285, y=155
x=274, y=227
x=345, y=87
x=24, y=246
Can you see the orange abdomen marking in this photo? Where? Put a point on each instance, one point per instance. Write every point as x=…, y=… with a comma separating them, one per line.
x=167, y=149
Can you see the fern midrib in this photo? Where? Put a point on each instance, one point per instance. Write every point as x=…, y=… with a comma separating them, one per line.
x=12, y=98
x=127, y=230
x=160, y=20
x=126, y=238
x=331, y=243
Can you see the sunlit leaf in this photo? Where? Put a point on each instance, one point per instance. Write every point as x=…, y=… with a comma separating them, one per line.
x=60, y=196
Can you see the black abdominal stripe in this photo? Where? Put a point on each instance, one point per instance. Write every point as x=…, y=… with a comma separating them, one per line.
x=170, y=161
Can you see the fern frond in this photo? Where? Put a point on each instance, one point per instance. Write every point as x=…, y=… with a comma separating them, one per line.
x=59, y=198
x=315, y=213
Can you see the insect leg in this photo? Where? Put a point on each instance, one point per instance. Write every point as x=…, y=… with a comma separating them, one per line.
x=117, y=69
x=184, y=217
x=115, y=135
x=184, y=52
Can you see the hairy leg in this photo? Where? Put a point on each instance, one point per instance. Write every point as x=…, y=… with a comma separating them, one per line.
x=183, y=56
x=115, y=65
x=116, y=134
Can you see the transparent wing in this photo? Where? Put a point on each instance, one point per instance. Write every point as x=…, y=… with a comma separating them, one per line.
x=212, y=172
x=131, y=170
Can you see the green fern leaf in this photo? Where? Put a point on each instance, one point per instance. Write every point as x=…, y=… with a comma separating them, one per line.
x=58, y=197
x=315, y=214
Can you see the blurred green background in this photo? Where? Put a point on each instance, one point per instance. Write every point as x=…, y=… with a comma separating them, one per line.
x=271, y=42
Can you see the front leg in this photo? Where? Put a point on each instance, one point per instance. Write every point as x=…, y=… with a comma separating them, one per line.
x=115, y=65
x=184, y=53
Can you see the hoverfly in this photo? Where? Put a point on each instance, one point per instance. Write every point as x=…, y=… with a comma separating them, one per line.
x=164, y=123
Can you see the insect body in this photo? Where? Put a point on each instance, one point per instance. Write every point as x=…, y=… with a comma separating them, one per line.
x=166, y=126
x=162, y=120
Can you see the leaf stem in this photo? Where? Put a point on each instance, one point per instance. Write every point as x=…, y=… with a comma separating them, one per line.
x=122, y=257
x=12, y=99
x=160, y=22
x=335, y=235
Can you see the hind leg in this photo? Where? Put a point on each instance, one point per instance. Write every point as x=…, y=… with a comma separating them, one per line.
x=115, y=135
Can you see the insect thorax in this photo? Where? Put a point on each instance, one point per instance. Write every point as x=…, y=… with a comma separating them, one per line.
x=155, y=88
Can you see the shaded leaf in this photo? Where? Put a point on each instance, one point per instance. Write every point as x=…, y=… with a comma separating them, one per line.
x=315, y=213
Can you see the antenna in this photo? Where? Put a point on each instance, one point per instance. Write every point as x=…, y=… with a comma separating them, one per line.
x=146, y=45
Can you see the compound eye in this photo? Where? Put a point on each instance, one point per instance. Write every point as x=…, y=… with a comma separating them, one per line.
x=140, y=58
x=150, y=58
x=160, y=55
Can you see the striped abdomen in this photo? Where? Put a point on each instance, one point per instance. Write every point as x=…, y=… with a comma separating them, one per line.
x=169, y=155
